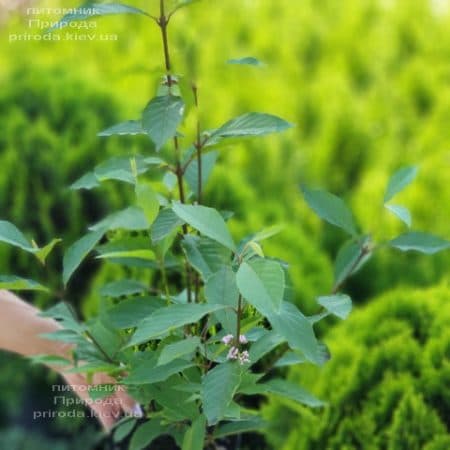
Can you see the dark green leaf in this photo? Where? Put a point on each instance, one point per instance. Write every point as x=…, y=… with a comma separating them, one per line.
x=331, y=208
x=239, y=427
x=10, y=234
x=122, y=287
x=290, y=359
x=178, y=350
x=195, y=435
x=218, y=388
x=145, y=434
x=122, y=430
x=167, y=319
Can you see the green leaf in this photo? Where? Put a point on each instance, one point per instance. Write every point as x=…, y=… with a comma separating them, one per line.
x=14, y=283
x=349, y=260
x=178, y=349
x=128, y=313
x=148, y=372
x=78, y=251
x=194, y=437
x=87, y=181
x=264, y=345
x=291, y=391
x=167, y=319
x=63, y=313
x=123, y=287
x=144, y=255
x=291, y=324
x=89, y=10
x=131, y=218
x=123, y=429
x=50, y=360
x=420, y=242
x=331, y=208
x=246, y=61
x=221, y=289
x=148, y=201
x=250, y=124
x=145, y=434
x=130, y=127
x=239, y=427
x=402, y=178
x=10, y=234
x=205, y=255
x=161, y=118
x=401, y=212
x=166, y=222
x=101, y=391
x=340, y=304
x=207, y=221
x=290, y=358
x=261, y=282
x=191, y=174
x=218, y=388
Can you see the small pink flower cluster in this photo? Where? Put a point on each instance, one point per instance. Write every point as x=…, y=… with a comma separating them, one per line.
x=234, y=353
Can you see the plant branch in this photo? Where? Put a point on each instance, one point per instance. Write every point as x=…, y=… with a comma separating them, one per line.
x=238, y=321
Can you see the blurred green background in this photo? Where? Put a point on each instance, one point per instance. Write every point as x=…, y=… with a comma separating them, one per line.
x=367, y=84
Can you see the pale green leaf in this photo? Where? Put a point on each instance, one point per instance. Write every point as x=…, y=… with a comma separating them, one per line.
x=246, y=61
x=147, y=200
x=339, y=304
x=14, y=283
x=261, y=282
x=402, y=178
x=43, y=252
x=161, y=118
x=130, y=127
x=331, y=208
x=78, y=251
x=207, y=221
x=402, y=213
x=218, y=388
x=420, y=242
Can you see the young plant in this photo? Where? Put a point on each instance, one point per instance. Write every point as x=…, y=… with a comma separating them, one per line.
x=189, y=348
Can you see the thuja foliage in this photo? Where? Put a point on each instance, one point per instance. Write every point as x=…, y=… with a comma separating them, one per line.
x=189, y=346
x=387, y=387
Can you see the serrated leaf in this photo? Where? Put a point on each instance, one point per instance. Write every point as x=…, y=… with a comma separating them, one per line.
x=194, y=437
x=122, y=287
x=221, y=289
x=330, y=208
x=296, y=329
x=145, y=434
x=75, y=254
x=168, y=319
x=130, y=127
x=89, y=10
x=128, y=313
x=401, y=212
x=402, y=178
x=178, y=349
x=14, y=283
x=250, y=124
x=166, y=222
x=147, y=200
x=340, y=304
x=161, y=117
x=246, y=61
x=218, y=388
x=207, y=221
x=205, y=255
x=420, y=242
x=131, y=218
x=261, y=282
